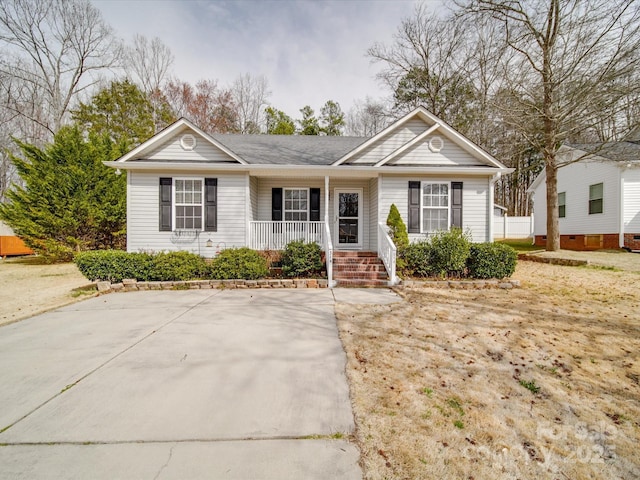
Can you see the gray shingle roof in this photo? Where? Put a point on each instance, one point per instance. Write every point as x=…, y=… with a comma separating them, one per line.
x=614, y=151
x=289, y=149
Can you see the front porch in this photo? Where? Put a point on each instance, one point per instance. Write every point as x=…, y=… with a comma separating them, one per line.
x=351, y=267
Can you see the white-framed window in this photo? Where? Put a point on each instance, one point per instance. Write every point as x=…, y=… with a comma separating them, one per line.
x=562, y=204
x=296, y=204
x=435, y=206
x=596, y=196
x=188, y=203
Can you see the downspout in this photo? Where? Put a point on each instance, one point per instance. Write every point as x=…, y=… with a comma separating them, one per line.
x=621, y=205
x=492, y=183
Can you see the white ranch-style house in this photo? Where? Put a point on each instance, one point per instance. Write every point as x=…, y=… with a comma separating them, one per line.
x=188, y=190
x=598, y=197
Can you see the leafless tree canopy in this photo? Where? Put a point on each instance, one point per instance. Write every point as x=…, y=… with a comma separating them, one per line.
x=148, y=62
x=250, y=94
x=53, y=50
x=367, y=117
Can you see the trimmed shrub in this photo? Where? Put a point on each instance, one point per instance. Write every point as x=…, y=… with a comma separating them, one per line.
x=114, y=265
x=449, y=252
x=301, y=259
x=416, y=259
x=177, y=266
x=397, y=228
x=239, y=263
x=491, y=260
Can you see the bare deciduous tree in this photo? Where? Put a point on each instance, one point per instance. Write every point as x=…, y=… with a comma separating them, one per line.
x=148, y=62
x=568, y=56
x=367, y=117
x=53, y=51
x=423, y=65
x=250, y=94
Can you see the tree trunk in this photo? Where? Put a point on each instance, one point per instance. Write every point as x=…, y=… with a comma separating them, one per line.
x=553, y=233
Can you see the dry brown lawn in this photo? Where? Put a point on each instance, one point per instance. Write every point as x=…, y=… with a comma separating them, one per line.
x=445, y=384
x=28, y=287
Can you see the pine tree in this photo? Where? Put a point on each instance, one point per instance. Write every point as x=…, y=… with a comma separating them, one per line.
x=69, y=200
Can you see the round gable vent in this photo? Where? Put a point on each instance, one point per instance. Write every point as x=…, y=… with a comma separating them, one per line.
x=436, y=144
x=188, y=142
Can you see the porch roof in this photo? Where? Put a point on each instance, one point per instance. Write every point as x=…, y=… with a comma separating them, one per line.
x=289, y=149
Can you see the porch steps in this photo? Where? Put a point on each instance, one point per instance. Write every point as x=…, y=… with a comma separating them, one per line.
x=359, y=269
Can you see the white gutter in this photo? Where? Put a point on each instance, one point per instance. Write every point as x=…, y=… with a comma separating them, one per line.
x=621, y=206
x=492, y=183
x=304, y=170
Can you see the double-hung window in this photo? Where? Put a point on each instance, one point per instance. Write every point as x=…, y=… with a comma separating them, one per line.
x=435, y=207
x=595, y=198
x=296, y=204
x=188, y=204
x=562, y=204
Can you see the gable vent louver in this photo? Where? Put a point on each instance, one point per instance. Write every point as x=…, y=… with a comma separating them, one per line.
x=435, y=144
x=188, y=142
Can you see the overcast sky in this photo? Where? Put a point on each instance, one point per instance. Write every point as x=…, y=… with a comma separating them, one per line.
x=310, y=51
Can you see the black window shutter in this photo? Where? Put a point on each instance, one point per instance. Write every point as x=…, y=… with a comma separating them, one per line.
x=314, y=215
x=276, y=204
x=165, y=204
x=210, y=204
x=414, y=207
x=456, y=204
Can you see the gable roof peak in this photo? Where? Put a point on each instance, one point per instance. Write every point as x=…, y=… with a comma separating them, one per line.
x=169, y=130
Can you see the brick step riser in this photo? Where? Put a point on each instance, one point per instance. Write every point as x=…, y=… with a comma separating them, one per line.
x=359, y=268
x=355, y=255
x=357, y=261
x=360, y=276
x=363, y=283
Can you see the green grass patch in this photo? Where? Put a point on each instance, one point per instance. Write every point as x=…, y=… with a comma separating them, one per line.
x=521, y=244
x=530, y=385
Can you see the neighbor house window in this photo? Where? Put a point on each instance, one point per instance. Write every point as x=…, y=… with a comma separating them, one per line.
x=188, y=204
x=296, y=204
x=435, y=207
x=595, y=198
x=562, y=204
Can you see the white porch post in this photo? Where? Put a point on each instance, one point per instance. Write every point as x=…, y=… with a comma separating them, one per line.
x=326, y=199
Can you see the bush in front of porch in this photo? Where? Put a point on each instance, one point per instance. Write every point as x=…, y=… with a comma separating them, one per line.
x=300, y=259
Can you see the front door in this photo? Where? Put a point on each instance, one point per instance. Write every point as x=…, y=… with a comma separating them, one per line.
x=348, y=212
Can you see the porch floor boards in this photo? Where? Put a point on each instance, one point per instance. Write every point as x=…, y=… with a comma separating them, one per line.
x=359, y=269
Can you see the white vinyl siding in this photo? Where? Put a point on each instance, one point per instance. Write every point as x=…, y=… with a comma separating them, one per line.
x=632, y=201
x=475, y=201
x=574, y=180
x=203, y=152
x=418, y=155
x=143, y=223
x=373, y=214
x=253, y=198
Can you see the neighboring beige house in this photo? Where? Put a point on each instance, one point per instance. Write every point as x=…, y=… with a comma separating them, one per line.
x=192, y=191
x=598, y=197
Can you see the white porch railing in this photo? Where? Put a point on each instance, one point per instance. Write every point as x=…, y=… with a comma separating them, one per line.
x=276, y=235
x=328, y=254
x=387, y=253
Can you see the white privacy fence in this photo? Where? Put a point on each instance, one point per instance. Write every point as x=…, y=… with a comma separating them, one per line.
x=512, y=227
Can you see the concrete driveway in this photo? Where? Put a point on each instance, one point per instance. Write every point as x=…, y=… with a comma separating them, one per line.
x=236, y=384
